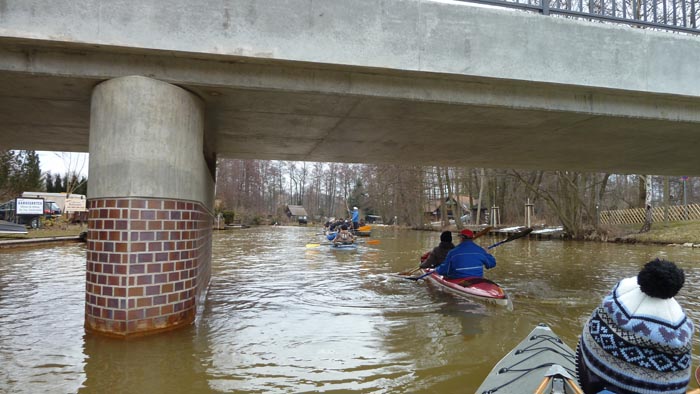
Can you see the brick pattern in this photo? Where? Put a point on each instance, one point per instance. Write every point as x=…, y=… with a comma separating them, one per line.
x=148, y=262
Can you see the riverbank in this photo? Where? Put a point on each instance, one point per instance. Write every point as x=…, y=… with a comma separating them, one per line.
x=48, y=232
x=677, y=233
x=43, y=236
x=674, y=233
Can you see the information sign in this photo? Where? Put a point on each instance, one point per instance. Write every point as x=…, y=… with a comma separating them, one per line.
x=75, y=205
x=29, y=206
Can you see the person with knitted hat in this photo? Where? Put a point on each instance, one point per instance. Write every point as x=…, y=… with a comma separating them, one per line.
x=438, y=254
x=466, y=260
x=639, y=340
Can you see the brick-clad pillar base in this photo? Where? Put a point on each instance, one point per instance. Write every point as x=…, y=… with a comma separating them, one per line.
x=148, y=263
x=150, y=200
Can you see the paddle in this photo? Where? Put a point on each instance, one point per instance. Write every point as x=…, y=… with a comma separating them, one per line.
x=511, y=238
x=409, y=272
x=317, y=245
x=477, y=235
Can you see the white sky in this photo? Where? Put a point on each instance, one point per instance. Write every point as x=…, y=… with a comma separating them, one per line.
x=62, y=162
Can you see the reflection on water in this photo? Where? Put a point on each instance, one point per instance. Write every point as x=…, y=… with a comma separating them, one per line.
x=283, y=318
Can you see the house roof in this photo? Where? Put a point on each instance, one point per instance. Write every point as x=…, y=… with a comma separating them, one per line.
x=297, y=210
x=434, y=205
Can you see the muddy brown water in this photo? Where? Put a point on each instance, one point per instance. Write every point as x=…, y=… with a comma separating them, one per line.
x=284, y=318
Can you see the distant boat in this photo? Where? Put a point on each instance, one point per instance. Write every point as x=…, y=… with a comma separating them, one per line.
x=12, y=228
x=235, y=226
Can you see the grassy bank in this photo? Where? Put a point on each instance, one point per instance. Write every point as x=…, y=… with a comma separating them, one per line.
x=48, y=232
x=671, y=233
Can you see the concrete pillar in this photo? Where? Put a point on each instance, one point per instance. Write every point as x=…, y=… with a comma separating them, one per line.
x=150, y=200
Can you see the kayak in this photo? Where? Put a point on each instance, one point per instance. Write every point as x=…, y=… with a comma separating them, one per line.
x=344, y=246
x=362, y=233
x=472, y=287
x=540, y=364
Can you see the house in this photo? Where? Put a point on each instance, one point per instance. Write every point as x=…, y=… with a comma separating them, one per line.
x=297, y=212
x=433, y=208
x=373, y=219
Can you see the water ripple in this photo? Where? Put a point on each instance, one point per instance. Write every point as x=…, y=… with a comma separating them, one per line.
x=283, y=318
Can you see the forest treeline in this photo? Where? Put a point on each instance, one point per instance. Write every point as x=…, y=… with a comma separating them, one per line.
x=257, y=190
x=20, y=171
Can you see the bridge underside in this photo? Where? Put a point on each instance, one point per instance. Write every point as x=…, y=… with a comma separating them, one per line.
x=296, y=111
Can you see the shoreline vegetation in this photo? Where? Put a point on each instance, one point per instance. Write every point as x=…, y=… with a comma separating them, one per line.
x=672, y=233
x=685, y=233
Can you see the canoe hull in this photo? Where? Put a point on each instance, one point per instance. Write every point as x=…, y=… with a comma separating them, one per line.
x=480, y=289
x=541, y=356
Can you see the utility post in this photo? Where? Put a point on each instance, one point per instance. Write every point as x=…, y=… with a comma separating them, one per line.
x=495, y=216
x=529, y=213
x=685, y=197
x=667, y=189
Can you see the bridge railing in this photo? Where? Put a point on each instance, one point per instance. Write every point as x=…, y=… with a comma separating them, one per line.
x=676, y=213
x=676, y=15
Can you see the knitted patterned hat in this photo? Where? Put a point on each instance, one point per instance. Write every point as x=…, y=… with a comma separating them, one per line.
x=639, y=339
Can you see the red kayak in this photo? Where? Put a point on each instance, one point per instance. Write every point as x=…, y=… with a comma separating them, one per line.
x=472, y=288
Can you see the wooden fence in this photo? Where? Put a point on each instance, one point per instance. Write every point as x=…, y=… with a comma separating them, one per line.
x=676, y=213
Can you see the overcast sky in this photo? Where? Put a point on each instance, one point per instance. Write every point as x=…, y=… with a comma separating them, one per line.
x=61, y=162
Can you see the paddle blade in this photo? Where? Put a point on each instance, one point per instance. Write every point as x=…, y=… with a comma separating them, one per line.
x=373, y=242
x=513, y=237
x=364, y=228
x=482, y=232
x=411, y=272
x=519, y=235
x=417, y=278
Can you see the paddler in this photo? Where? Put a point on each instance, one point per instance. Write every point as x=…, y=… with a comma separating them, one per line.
x=438, y=254
x=639, y=340
x=466, y=260
x=344, y=236
x=355, y=218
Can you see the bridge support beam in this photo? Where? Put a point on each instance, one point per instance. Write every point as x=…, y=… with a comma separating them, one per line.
x=150, y=200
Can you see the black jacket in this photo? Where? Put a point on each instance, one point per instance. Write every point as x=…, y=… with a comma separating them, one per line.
x=437, y=255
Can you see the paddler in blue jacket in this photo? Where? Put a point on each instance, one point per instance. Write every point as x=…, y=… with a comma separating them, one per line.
x=466, y=260
x=355, y=218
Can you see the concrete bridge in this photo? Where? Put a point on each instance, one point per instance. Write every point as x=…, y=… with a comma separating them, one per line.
x=156, y=92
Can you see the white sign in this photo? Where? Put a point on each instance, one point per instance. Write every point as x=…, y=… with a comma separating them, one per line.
x=75, y=205
x=30, y=206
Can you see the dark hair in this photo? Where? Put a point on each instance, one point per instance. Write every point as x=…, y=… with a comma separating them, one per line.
x=446, y=236
x=661, y=279
x=344, y=227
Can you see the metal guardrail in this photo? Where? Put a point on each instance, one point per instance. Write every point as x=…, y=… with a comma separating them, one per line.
x=675, y=15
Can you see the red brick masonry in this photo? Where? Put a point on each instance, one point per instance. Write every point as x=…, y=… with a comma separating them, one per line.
x=148, y=262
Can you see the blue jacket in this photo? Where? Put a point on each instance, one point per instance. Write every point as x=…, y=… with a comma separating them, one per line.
x=466, y=259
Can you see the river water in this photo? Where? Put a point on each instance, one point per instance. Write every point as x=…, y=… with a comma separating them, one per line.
x=282, y=317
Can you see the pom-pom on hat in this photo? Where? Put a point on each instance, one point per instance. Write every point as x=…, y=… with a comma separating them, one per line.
x=466, y=233
x=446, y=236
x=639, y=339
